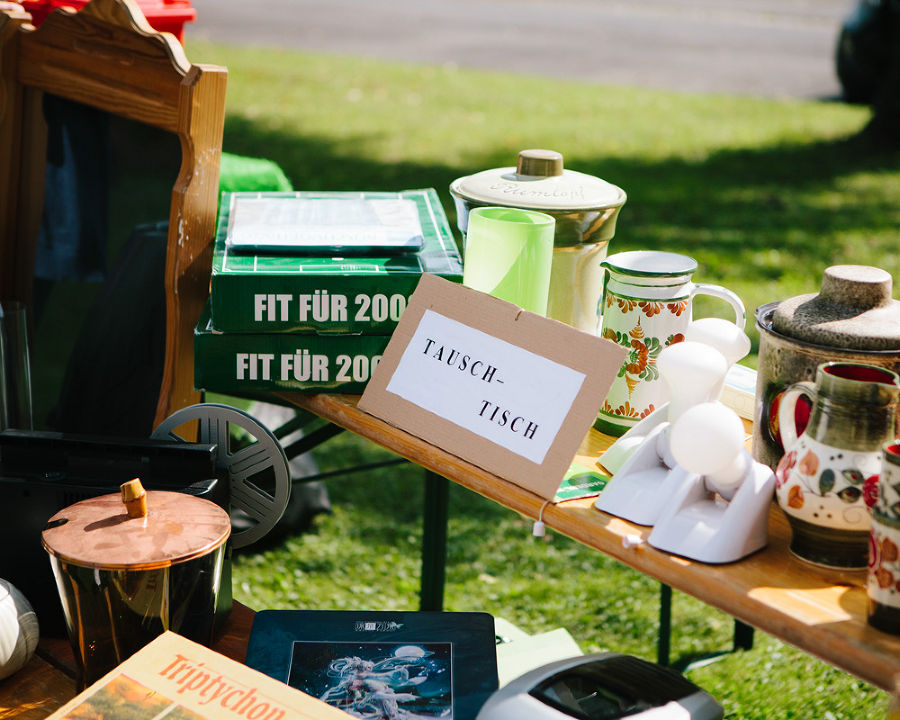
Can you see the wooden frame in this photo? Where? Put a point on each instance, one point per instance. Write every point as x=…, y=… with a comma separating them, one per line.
x=107, y=56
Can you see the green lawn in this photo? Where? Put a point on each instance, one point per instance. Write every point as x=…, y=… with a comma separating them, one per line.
x=764, y=194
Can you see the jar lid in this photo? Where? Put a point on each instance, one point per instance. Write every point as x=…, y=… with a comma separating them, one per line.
x=109, y=533
x=853, y=310
x=538, y=182
x=651, y=264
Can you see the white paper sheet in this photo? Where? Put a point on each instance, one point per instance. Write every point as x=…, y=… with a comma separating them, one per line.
x=502, y=392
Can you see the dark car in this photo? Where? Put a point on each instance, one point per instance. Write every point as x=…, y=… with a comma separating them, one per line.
x=864, y=48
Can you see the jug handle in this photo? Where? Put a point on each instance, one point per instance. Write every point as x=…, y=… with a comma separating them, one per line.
x=740, y=314
x=787, y=406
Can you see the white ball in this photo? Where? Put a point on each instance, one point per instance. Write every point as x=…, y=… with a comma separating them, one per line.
x=707, y=438
x=19, y=631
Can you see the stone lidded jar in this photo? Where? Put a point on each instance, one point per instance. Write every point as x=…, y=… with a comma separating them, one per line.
x=852, y=319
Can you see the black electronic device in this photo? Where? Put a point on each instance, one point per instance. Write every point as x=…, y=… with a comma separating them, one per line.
x=42, y=473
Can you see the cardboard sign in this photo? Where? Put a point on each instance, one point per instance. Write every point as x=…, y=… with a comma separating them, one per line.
x=507, y=390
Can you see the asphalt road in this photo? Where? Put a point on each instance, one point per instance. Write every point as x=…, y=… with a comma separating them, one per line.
x=770, y=48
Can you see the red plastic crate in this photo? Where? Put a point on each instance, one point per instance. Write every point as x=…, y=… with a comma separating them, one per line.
x=163, y=15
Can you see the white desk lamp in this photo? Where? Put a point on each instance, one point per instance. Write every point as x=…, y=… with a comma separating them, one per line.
x=694, y=373
x=720, y=512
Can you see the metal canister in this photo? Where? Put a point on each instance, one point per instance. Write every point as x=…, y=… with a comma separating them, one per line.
x=130, y=566
x=585, y=208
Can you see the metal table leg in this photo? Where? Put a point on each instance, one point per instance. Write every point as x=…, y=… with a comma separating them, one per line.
x=434, y=541
x=743, y=638
x=664, y=639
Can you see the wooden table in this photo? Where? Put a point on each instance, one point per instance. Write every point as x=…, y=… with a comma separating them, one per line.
x=820, y=611
x=47, y=682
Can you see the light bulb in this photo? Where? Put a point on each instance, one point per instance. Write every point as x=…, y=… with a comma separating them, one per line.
x=723, y=335
x=708, y=439
x=694, y=373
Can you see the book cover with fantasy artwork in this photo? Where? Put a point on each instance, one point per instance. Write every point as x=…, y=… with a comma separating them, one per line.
x=381, y=665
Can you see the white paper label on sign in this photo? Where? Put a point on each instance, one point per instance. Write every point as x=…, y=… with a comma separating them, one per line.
x=500, y=391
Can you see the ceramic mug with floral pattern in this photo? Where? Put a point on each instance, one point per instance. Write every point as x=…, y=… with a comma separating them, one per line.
x=827, y=481
x=647, y=305
x=884, y=545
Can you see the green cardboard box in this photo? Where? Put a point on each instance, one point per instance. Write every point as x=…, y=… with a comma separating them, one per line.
x=267, y=291
x=237, y=363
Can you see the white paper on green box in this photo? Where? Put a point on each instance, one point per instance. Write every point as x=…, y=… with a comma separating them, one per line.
x=502, y=392
x=284, y=223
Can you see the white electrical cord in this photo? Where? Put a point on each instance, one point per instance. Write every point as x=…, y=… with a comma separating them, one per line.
x=539, y=529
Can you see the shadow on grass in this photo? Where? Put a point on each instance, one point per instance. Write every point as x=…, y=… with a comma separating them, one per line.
x=748, y=192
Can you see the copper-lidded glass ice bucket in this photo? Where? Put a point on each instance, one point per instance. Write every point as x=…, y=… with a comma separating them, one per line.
x=130, y=566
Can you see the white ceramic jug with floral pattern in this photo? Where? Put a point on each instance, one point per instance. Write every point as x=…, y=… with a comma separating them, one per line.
x=646, y=307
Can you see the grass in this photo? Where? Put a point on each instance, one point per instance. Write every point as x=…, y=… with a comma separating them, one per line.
x=764, y=194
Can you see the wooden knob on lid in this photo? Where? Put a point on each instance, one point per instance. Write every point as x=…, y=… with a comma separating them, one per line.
x=539, y=163
x=134, y=497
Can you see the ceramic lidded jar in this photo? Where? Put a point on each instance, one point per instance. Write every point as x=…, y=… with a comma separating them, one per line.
x=827, y=480
x=130, y=566
x=853, y=318
x=585, y=209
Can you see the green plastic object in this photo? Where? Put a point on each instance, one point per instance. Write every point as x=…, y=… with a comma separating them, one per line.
x=242, y=173
x=508, y=255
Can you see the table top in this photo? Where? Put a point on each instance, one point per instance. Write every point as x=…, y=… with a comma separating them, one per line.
x=820, y=611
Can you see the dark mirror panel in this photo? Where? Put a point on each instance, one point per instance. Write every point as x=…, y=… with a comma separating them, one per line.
x=99, y=302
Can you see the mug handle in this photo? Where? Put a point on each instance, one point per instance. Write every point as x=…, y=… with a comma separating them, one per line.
x=787, y=407
x=740, y=314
